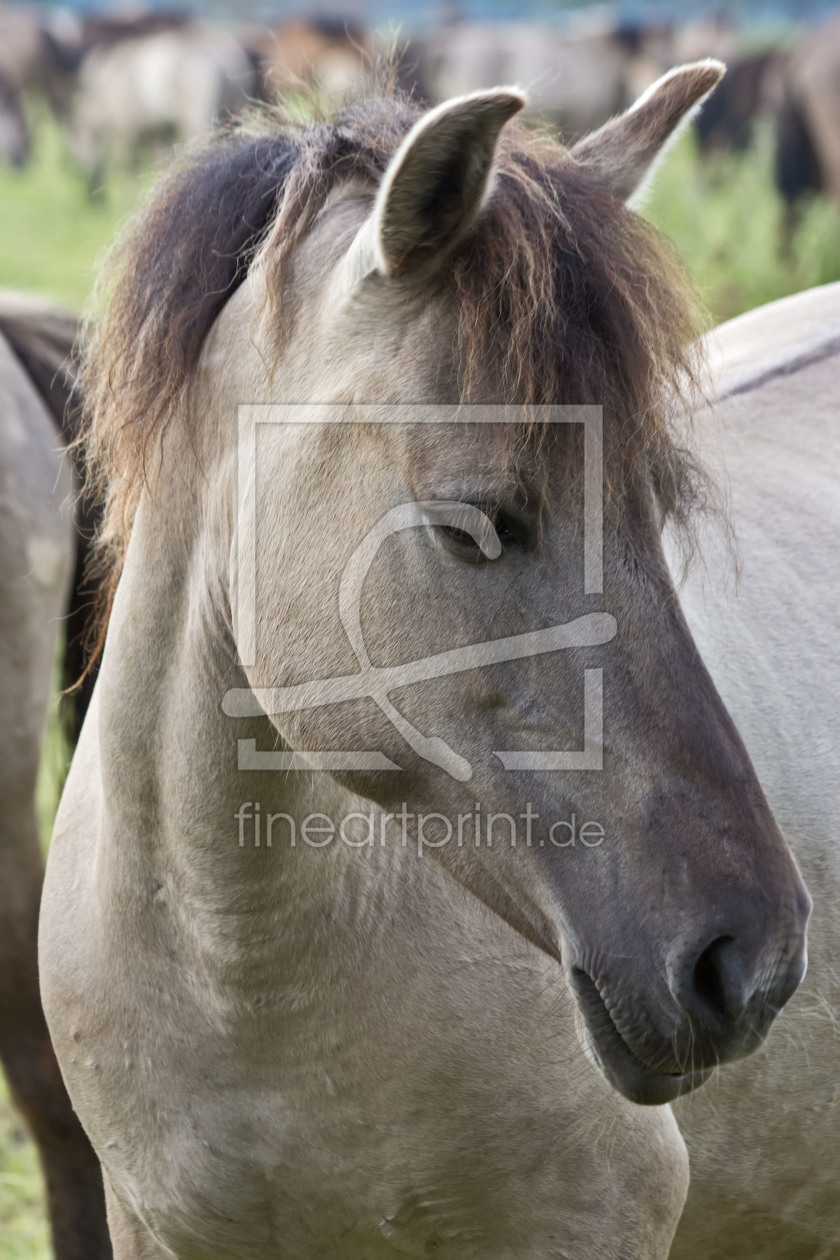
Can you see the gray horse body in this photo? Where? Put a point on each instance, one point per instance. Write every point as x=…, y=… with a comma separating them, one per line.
x=169, y=85
x=341, y=1050
x=576, y=80
x=764, y=1138
x=491, y=1137
x=37, y=550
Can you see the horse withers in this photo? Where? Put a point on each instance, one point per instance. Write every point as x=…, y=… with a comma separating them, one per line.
x=368, y=1037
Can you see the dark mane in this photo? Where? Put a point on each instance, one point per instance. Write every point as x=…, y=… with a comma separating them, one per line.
x=162, y=288
x=560, y=291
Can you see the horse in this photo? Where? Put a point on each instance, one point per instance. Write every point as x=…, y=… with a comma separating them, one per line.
x=331, y=56
x=33, y=59
x=44, y=339
x=577, y=79
x=763, y=1139
x=104, y=30
x=38, y=546
x=170, y=85
x=808, y=111
x=335, y=963
x=745, y=94
x=15, y=140
x=24, y=51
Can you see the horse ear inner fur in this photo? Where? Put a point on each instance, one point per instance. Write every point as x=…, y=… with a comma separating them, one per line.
x=622, y=156
x=435, y=185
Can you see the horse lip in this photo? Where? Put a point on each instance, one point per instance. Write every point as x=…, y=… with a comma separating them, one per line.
x=636, y=1080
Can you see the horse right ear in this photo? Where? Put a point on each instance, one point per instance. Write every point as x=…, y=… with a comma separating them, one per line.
x=622, y=156
x=435, y=185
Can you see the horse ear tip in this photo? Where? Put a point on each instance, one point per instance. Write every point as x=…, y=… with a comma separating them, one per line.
x=506, y=100
x=715, y=68
x=707, y=72
x=515, y=98
x=692, y=82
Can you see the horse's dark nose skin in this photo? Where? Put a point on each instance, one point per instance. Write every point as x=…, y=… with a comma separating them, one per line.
x=730, y=993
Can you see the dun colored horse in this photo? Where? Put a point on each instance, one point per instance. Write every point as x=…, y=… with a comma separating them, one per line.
x=341, y=956
x=169, y=85
x=764, y=1138
x=38, y=546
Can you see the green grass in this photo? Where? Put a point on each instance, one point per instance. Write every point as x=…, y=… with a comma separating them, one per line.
x=723, y=214
x=730, y=225
x=55, y=760
x=51, y=231
x=24, y=1234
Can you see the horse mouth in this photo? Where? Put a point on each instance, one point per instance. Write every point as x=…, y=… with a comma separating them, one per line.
x=625, y=1071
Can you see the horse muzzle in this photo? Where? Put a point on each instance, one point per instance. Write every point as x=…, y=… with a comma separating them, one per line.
x=720, y=1010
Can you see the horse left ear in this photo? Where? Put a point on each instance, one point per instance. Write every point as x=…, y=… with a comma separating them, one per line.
x=435, y=184
x=622, y=155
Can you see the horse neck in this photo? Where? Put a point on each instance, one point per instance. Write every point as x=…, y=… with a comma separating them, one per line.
x=242, y=908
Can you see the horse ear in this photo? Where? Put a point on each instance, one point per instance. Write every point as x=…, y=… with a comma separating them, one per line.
x=435, y=184
x=622, y=156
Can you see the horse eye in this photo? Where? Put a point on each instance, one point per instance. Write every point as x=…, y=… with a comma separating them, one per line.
x=460, y=537
x=508, y=531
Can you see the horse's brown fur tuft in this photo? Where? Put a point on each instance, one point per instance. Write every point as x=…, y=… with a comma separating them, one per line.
x=562, y=294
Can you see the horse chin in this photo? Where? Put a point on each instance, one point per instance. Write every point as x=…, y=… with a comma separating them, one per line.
x=610, y=1053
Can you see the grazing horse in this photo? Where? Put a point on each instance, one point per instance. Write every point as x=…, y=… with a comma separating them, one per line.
x=339, y=958
x=37, y=547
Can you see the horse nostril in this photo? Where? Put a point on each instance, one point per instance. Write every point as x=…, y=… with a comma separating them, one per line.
x=730, y=990
x=716, y=981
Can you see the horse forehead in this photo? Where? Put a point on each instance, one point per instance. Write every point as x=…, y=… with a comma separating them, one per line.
x=467, y=447
x=344, y=211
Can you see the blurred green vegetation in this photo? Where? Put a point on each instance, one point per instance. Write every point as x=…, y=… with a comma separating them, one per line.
x=24, y=1234
x=722, y=212
x=51, y=230
x=742, y=246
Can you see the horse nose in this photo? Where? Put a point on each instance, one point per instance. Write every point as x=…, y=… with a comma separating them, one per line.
x=716, y=985
x=731, y=990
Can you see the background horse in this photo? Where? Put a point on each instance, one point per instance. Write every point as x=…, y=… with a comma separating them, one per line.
x=38, y=554
x=170, y=85
x=331, y=56
x=32, y=61
x=808, y=154
x=764, y=1139
x=576, y=79
x=14, y=132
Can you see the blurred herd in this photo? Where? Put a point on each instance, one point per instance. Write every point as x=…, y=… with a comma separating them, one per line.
x=122, y=85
